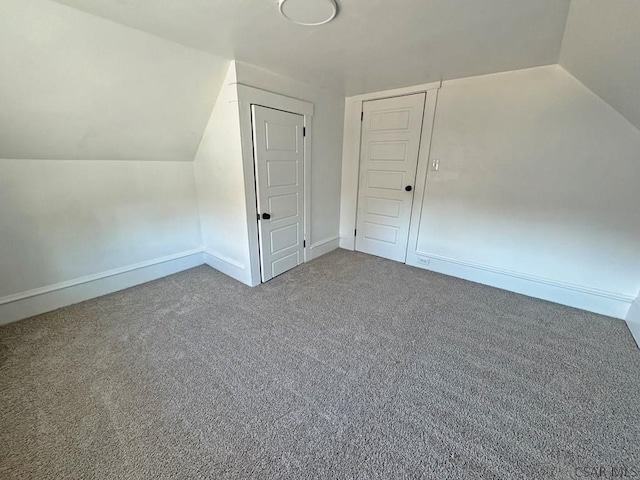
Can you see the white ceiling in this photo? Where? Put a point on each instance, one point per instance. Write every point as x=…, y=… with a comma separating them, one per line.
x=371, y=45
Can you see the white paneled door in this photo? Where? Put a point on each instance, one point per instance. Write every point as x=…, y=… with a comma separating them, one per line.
x=278, y=142
x=391, y=131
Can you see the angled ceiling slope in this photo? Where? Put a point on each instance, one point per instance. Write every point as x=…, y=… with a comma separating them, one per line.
x=77, y=87
x=371, y=45
x=601, y=48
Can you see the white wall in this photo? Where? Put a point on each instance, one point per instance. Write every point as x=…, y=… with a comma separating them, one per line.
x=633, y=320
x=601, y=47
x=536, y=192
x=537, y=175
x=220, y=182
x=75, y=86
x=61, y=221
x=326, y=148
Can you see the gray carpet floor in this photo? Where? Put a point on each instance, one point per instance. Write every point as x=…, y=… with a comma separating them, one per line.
x=349, y=366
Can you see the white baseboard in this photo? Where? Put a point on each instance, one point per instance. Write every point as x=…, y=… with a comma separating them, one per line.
x=585, y=298
x=228, y=266
x=41, y=300
x=633, y=320
x=324, y=246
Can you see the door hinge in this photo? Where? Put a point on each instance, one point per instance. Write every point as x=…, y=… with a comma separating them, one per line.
x=258, y=216
x=304, y=243
x=355, y=232
x=304, y=131
x=361, y=116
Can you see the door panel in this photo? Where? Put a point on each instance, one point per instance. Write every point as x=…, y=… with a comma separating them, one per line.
x=285, y=263
x=388, y=152
x=281, y=173
x=381, y=233
x=391, y=130
x=386, y=180
x=285, y=205
x=384, y=207
x=279, y=156
x=283, y=238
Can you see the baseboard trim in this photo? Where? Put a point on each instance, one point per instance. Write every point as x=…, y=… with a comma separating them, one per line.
x=41, y=300
x=324, y=246
x=586, y=298
x=228, y=266
x=633, y=320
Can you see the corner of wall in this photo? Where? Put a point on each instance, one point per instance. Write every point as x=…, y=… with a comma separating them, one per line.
x=219, y=184
x=198, y=156
x=232, y=73
x=564, y=33
x=230, y=77
x=349, y=178
x=633, y=320
x=599, y=48
x=567, y=72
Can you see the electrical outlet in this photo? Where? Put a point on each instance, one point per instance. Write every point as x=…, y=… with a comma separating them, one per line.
x=423, y=261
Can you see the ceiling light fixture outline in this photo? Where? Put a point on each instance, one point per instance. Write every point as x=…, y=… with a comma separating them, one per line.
x=334, y=13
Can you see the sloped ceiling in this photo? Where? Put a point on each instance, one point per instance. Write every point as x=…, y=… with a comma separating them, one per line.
x=601, y=48
x=75, y=86
x=372, y=45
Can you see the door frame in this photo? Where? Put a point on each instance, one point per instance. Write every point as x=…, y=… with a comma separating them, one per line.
x=350, y=187
x=248, y=96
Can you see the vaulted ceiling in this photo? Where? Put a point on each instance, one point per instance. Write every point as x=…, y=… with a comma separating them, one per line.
x=371, y=45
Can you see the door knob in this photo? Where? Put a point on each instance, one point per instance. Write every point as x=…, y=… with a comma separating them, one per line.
x=266, y=216
x=408, y=188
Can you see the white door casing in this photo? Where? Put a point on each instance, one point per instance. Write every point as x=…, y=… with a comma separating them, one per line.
x=391, y=131
x=278, y=141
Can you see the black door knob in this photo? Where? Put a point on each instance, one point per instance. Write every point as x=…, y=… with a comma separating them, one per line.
x=266, y=216
x=408, y=188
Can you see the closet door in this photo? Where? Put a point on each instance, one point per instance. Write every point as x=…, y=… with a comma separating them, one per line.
x=279, y=160
x=391, y=130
